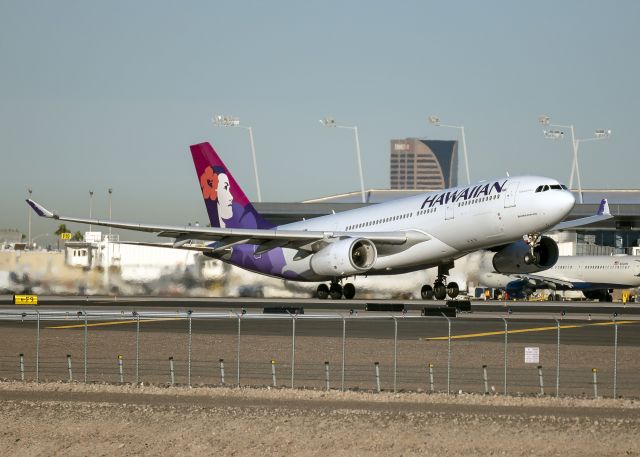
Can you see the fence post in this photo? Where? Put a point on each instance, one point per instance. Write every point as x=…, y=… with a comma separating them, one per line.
x=431, y=389
x=344, y=342
x=595, y=382
x=22, y=367
x=448, y=355
x=293, y=349
x=37, y=346
x=558, y=361
x=120, y=369
x=540, y=380
x=377, y=366
x=222, y=371
x=69, y=368
x=615, y=357
x=172, y=372
x=273, y=373
x=395, y=353
x=485, y=379
x=86, y=345
x=138, y=347
x=506, y=335
x=189, y=351
x=238, y=352
x=326, y=374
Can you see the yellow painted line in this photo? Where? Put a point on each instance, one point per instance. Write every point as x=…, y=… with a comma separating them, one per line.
x=105, y=324
x=527, y=330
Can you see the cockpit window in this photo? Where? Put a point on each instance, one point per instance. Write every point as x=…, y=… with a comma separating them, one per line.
x=539, y=188
x=563, y=186
x=546, y=188
x=556, y=186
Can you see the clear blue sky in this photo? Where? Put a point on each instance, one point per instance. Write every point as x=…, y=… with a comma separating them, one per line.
x=100, y=94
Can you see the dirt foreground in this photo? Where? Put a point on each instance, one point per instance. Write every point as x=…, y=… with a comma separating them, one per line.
x=79, y=420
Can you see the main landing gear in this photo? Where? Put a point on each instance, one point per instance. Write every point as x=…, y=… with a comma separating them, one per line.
x=336, y=291
x=441, y=288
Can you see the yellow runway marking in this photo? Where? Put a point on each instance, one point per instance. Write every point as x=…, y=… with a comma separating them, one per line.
x=105, y=324
x=526, y=330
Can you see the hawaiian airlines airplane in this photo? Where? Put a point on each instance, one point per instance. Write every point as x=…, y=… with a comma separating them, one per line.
x=433, y=229
x=594, y=276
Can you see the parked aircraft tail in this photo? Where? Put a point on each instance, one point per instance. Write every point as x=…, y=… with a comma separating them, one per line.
x=227, y=205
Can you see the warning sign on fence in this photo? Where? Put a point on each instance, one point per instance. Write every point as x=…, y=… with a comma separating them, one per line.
x=532, y=355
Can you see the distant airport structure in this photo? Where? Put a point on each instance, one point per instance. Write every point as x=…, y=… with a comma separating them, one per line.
x=421, y=164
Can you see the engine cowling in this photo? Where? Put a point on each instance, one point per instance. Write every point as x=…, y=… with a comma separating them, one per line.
x=344, y=257
x=515, y=258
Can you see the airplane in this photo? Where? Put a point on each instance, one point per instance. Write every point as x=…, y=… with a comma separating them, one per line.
x=594, y=276
x=409, y=234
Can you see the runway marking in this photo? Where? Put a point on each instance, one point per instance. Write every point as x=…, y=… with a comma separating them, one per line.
x=107, y=323
x=526, y=330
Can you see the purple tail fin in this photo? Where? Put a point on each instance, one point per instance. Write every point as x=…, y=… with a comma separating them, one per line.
x=226, y=203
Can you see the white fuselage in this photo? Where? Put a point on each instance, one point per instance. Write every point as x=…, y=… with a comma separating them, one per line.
x=580, y=273
x=455, y=221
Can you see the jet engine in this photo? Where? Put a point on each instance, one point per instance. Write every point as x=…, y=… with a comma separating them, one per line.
x=516, y=257
x=345, y=257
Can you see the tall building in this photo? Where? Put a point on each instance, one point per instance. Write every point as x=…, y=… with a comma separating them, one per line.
x=424, y=164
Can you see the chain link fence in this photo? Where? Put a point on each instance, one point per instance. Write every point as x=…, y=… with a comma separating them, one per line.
x=382, y=352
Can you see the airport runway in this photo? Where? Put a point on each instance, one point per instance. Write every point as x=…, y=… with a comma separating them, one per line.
x=467, y=327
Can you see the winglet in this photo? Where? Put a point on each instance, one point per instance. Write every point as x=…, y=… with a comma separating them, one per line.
x=604, y=208
x=41, y=210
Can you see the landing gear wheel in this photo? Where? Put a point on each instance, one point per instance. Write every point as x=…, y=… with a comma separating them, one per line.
x=426, y=292
x=453, y=290
x=335, y=291
x=349, y=291
x=322, y=291
x=439, y=291
x=557, y=297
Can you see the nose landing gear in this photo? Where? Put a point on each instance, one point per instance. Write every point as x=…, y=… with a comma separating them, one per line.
x=532, y=240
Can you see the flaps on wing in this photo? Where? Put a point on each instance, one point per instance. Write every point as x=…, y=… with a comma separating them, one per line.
x=542, y=281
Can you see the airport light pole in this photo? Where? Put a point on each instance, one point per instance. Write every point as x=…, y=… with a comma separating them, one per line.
x=30, y=190
x=231, y=121
x=330, y=122
x=90, y=207
x=555, y=134
x=435, y=120
x=110, y=192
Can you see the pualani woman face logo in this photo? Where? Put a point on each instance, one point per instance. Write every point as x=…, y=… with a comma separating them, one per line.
x=216, y=187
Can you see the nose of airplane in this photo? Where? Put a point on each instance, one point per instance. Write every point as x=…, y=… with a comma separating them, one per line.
x=565, y=201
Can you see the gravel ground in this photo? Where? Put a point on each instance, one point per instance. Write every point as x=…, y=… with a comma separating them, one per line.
x=97, y=419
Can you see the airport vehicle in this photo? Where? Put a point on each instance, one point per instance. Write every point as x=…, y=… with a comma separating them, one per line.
x=594, y=276
x=433, y=229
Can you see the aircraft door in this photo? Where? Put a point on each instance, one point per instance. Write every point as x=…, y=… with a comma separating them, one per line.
x=449, y=211
x=510, y=197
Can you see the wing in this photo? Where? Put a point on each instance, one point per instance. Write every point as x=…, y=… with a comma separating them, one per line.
x=601, y=215
x=540, y=280
x=303, y=240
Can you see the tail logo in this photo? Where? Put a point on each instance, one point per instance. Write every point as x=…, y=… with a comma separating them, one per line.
x=216, y=187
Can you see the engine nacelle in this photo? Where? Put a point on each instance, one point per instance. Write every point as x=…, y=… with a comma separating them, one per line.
x=345, y=257
x=515, y=258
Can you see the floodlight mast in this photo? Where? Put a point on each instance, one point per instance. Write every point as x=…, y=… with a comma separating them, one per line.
x=435, y=120
x=330, y=122
x=600, y=134
x=231, y=121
